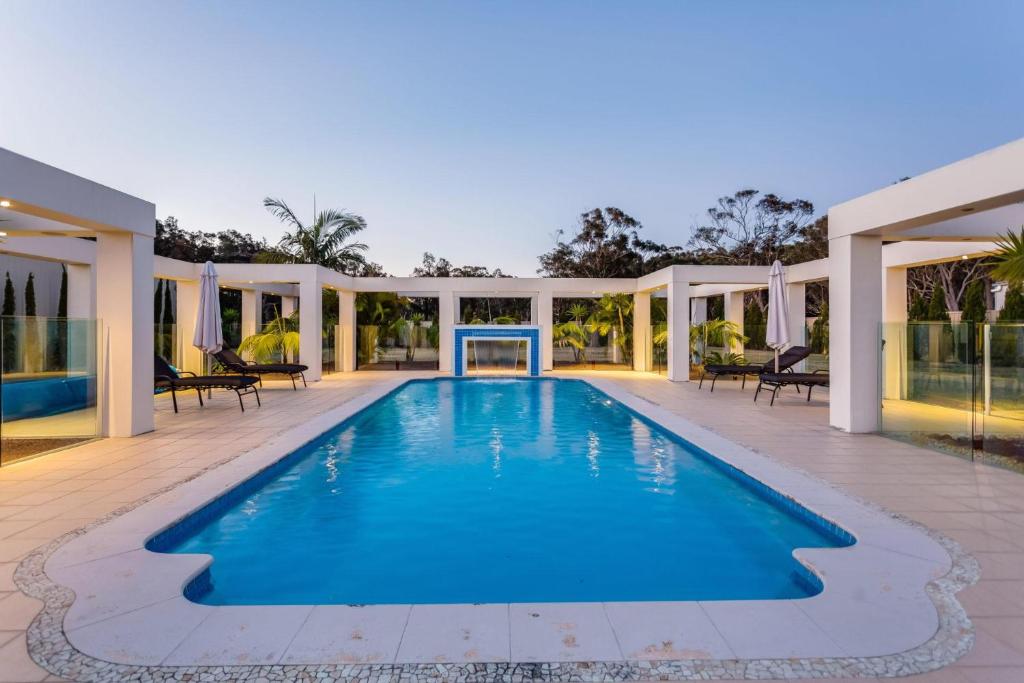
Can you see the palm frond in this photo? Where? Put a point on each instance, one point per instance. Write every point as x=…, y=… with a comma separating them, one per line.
x=282, y=211
x=1009, y=258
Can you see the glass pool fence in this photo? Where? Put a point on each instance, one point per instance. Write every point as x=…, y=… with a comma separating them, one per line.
x=956, y=387
x=47, y=384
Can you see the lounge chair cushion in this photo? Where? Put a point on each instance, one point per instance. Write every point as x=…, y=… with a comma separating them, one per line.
x=234, y=362
x=804, y=378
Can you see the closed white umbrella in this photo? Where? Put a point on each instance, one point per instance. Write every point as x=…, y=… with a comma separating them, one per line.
x=209, y=338
x=777, y=334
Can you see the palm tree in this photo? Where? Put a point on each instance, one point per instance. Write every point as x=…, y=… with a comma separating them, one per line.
x=278, y=339
x=325, y=242
x=610, y=318
x=1009, y=258
x=572, y=333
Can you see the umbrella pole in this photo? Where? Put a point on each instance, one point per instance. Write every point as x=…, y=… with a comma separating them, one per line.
x=776, y=360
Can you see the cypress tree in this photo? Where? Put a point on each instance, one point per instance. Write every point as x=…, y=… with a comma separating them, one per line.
x=974, y=303
x=33, y=353
x=168, y=305
x=10, y=341
x=937, y=311
x=62, y=303
x=8, y=308
x=918, y=308
x=30, y=295
x=1013, y=306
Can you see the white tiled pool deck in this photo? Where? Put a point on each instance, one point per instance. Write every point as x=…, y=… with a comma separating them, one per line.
x=980, y=507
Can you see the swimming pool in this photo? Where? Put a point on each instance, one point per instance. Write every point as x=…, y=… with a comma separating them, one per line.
x=495, y=491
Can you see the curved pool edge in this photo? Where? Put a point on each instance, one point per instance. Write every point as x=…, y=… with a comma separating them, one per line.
x=80, y=557
x=805, y=572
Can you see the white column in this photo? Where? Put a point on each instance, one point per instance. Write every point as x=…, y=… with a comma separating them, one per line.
x=535, y=310
x=252, y=312
x=642, y=331
x=546, y=319
x=679, y=331
x=894, y=319
x=287, y=306
x=185, y=310
x=855, y=311
x=447, y=303
x=734, y=314
x=124, y=306
x=699, y=309
x=81, y=335
x=311, y=324
x=347, y=333
x=796, y=297
x=81, y=291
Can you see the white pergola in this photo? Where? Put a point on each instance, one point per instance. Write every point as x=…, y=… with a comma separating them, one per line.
x=947, y=214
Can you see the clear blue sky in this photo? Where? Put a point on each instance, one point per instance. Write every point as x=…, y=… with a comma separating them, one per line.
x=475, y=130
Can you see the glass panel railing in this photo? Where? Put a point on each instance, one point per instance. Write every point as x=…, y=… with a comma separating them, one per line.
x=47, y=385
x=404, y=345
x=330, y=358
x=659, y=349
x=578, y=348
x=1001, y=398
x=166, y=343
x=930, y=376
x=232, y=331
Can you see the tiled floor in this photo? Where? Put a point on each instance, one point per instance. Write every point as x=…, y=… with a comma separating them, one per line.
x=979, y=506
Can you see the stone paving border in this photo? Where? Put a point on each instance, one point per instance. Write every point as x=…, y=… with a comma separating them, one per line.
x=50, y=648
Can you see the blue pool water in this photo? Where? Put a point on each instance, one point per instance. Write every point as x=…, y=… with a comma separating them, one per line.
x=470, y=491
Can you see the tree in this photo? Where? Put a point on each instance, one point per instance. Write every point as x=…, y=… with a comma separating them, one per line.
x=937, y=310
x=62, y=301
x=30, y=295
x=9, y=347
x=325, y=242
x=606, y=243
x=953, y=276
x=613, y=313
x=819, y=331
x=279, y=338
x=974, y=303
x=1013, y=306
x=8, y=307
x=754, y=325
x=433, y=266
x=226, y=246
x=918, y=308
x=1009, y=258
x=748, y=228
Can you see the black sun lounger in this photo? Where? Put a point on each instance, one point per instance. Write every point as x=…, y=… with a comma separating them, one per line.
x=787, y=359
x=234, y=363
x=166, y=377
x=777, y=380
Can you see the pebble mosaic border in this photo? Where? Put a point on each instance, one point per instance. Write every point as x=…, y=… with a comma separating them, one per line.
x=50, y=648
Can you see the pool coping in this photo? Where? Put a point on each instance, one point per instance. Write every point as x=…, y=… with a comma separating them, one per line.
x=888, y=607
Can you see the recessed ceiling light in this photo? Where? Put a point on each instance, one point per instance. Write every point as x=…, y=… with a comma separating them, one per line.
x=4, y=203
x=964, y=257
x=3, y=234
